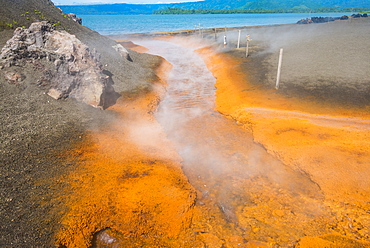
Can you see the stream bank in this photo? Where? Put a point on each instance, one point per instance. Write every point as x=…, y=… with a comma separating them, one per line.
x=245, y=193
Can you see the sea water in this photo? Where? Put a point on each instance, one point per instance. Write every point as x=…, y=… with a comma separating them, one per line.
x=131, y=24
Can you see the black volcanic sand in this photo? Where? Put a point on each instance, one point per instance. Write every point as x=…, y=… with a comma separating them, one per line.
x=36, y=131
x=325, y=62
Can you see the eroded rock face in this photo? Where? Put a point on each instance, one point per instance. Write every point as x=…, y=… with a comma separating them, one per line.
x=77, y=71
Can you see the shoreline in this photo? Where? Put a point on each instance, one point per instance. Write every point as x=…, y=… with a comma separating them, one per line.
x=189, y=32
x=211, y=31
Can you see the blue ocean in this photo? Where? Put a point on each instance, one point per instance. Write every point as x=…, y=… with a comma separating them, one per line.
x=131, y=24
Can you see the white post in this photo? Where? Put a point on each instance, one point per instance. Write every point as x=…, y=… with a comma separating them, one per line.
x=239, y=39
x=225, y=42
x=215, y=34
x=279, y=68
x=246, y=49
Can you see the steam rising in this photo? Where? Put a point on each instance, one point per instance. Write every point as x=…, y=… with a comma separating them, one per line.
x=215, y=151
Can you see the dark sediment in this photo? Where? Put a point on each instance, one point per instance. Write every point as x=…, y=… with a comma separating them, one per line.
x=324, y=62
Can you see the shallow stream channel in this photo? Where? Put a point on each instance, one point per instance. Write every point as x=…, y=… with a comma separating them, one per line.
x=242, y=190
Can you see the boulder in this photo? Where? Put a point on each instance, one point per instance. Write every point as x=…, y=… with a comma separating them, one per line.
x=56, y=94
x=75, y=18
x=122, y=51
x=356, y=15
x=322, y=19
x=77, y=71
x=13, y=77
x=305, y=21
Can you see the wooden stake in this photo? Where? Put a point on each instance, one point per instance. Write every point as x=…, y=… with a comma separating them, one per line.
x=215, y=34
x=247, y=46
x=239, y=39
x=279, y=68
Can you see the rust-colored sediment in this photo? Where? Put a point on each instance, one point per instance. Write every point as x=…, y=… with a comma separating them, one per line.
x=130, y=45
x=130, y=179
x=330, y=145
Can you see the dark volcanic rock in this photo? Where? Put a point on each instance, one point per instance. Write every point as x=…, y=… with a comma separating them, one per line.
x=358, y=15
x=321, y=19
x=305, y=21
x=77, y=71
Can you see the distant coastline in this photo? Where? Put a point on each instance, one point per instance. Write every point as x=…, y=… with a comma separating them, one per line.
x=134, y=24
x=179, y=11
x=220, y=7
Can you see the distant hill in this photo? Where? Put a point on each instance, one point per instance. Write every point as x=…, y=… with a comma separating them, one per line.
x=304, y=5
x=273, y=4
x=278, y=4
x=112, y=9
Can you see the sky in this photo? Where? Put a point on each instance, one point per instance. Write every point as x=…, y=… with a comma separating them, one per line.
x=73, y=2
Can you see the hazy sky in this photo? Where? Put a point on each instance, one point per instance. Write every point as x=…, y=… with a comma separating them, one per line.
x=69, y=2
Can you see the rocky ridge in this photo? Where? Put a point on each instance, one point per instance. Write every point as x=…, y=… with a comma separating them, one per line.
x=77, y=70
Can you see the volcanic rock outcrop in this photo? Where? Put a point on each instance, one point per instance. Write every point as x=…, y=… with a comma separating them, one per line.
x=73, y=70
